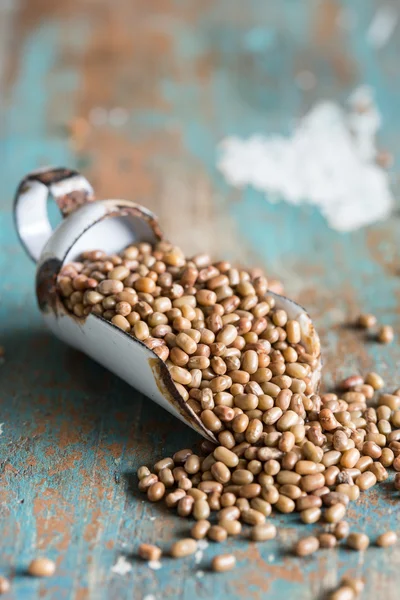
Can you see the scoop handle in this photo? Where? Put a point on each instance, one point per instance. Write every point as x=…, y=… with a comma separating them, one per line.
x=69, y=190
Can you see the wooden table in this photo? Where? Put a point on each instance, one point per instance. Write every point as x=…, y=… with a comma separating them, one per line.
x=137, y=94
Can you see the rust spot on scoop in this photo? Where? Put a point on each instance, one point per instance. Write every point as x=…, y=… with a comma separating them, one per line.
x=46, y=284
x=128, y=208
x=67, y=203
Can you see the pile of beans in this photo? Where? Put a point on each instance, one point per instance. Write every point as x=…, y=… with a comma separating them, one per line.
x=329, y=461
x=239, y=363
x=337, y=454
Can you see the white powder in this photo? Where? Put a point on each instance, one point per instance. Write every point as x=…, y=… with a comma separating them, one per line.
x=154, y=564
x=121, y=567
x=382, y=26
x=201, y=545
x=328, y=162
x=199, y=573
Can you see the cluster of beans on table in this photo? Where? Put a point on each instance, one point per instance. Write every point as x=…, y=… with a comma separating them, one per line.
x=241, y=365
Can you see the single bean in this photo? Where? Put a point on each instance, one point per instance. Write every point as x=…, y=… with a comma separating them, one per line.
x=327, y=540
x=147, y=481
x=263, y=532
x=156, y=491
x=183, y=547
x=308, y=502
x=356, y=583
x=335, y=513
x=366, y=480
x=5, y=585
x=344, y=592
x=199, y=529
x=252, y=517
x=220, y=472
x=261, y=506
x=229, y=513
x=216, y=533
x=306, y=546
x=284, y=504
x=358, y=541
x=143, y=472
x=172, y=499
x=231, y=527
x=250, y=490
x=310, y=515
x=41, y=567
x=341, y=530
x=149, y=552
x=223, y=562
x=310, y=483
x=389, y=538
x=201, y=510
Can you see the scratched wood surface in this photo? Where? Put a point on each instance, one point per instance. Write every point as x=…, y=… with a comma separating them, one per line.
x=163, y=81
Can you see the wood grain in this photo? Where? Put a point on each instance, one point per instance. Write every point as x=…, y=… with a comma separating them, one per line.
x=186, y=74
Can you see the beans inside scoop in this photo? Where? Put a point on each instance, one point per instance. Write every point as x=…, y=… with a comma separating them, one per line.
x=235, y=358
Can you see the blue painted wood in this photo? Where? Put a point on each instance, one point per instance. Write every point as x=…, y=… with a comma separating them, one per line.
x=187, y=74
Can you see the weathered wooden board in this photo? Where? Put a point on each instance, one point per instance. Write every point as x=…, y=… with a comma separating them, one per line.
x=186, y=74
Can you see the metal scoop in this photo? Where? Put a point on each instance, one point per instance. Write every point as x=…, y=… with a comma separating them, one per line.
x=109, y=225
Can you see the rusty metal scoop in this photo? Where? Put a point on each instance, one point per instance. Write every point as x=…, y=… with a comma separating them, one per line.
x=109, y=225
